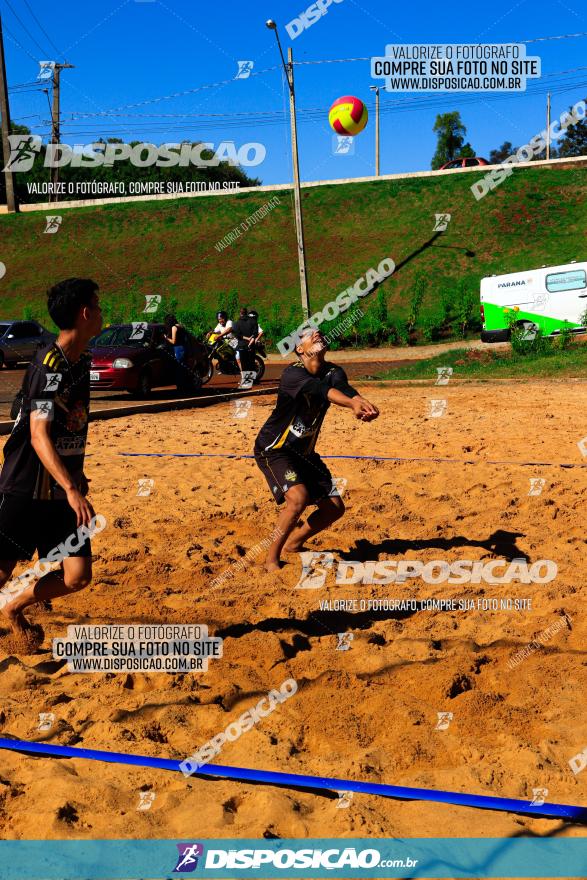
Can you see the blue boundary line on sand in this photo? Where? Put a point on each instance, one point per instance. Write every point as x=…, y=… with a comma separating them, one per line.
x=297, y=780
x=563, y=464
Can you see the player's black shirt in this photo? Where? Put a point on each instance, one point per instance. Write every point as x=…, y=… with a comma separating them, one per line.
x=245, y=327
x=302, y=403
x=62, y=390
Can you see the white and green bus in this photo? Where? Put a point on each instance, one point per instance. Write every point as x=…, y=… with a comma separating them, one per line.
x=548, y=299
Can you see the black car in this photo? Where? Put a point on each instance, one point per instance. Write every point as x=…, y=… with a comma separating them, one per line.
x=19, y=341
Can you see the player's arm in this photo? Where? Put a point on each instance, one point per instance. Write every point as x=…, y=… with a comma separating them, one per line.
x=42, y=391
x=43, y=445
x=361, y=407
x=343, y=394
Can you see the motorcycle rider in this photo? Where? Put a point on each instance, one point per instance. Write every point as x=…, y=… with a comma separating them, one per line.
x=223, y=328
x=253, y=313
x=224, y=337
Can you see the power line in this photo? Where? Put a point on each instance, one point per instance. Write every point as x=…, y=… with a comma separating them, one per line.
x=261, y=119
x=80, y=115
x=23, y=26
x=368, y=58
x=209, y=124
x=23, y=85
x=394, y=104
x=186, y=91
x=114, y=111
x=560, y=37
x=16, y=43
x=40, y=26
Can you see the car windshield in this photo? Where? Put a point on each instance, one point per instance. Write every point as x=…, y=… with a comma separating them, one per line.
x=4, y=328
x=138, y=334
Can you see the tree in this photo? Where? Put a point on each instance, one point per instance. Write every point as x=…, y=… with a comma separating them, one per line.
x=467, y=151
x=122, y=171
x=574, y=140
x=502, y=153
x=451, y=136
x=18, y=129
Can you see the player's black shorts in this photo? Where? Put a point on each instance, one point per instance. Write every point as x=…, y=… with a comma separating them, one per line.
x=283, y=469
x=27, y=525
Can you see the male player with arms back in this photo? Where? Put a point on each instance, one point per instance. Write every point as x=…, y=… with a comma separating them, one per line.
x=42, y=483
x=284, y=449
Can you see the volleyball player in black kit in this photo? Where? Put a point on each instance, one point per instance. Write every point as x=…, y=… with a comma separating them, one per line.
x=42, y=482
x=284, y=448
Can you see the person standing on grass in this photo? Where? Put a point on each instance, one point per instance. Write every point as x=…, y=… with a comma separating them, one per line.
x=284, y=448
x=42, y=483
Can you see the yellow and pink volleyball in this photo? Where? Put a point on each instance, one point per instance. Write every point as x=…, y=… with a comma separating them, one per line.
x=348, y=115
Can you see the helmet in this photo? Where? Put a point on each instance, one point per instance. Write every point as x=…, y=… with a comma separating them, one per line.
x=222, y=315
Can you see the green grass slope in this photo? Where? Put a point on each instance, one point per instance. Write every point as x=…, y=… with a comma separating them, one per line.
x=538, y=216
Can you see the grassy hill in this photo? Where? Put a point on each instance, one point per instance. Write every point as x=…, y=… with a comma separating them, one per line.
x=539, y=216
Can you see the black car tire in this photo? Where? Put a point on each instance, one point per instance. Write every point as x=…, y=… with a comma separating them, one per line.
x=144, y=385
x=205, y=377
x=259, y=368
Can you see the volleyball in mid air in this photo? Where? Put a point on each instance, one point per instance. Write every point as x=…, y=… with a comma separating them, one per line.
x=348, y=115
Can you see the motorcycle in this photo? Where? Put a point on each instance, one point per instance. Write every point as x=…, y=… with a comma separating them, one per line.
x=222, y=358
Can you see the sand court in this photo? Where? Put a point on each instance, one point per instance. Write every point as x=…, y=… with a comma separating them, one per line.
x=368, y=711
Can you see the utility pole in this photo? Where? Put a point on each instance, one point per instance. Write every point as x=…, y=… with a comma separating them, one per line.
x=376, y=90
x=56, y=123
x=297, y=192
x=11, y=200
x=548, y=126
x=289, y=72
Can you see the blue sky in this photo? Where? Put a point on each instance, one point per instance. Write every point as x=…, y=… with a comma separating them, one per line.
x=129, y=52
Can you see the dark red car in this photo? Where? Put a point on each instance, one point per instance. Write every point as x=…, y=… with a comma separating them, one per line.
x=469, y=162
x=136, y=358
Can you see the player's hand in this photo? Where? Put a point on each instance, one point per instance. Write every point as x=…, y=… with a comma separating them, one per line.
x=364, y=410
x=82, y=508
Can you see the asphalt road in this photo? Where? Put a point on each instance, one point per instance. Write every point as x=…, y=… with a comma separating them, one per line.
x=11, y=380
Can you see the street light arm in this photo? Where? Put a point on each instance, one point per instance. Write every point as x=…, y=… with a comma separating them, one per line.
x=286, y=66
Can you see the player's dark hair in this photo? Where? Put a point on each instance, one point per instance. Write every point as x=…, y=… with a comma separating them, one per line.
x=222, y=315
x=65, y=299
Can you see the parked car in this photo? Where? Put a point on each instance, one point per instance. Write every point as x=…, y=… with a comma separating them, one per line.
x=19, y=341
x=136, y=358
x=469, y=162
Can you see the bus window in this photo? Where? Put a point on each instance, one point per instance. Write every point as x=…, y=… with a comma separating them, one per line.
x=559, y=281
